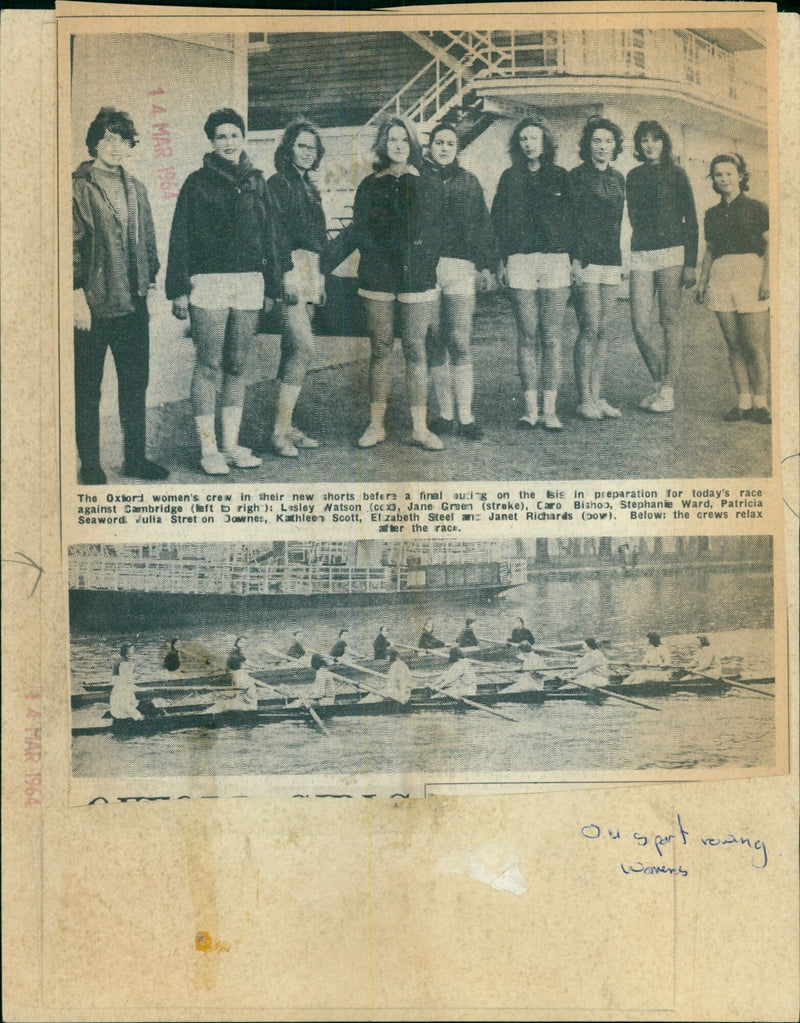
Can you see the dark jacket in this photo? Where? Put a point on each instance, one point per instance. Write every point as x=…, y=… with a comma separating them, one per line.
x=661, y=210
x=464, y=226
x=394, y=231
x=427, y=641
x=113, y=266
x=533, y=212
x=599, y=202
x=467, y=638
x=299, y=208
x=381, y=646
x=224, y=222
x=522, y=635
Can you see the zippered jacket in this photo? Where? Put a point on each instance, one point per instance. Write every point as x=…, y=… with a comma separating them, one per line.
x=464, y=226
x=224, y=222
x=114, y=265
x=299, y=208
x=533, y=212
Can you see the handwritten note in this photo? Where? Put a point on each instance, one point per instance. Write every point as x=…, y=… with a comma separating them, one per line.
x=670, y=842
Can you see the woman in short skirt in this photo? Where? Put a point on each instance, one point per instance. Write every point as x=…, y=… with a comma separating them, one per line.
x=663, y=257
x=392, y=230
x=299, y=209
x=596, y=259
x=734, y=280
x=533, y=214
x=467, y=257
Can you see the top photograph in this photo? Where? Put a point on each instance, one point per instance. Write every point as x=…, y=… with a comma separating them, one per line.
x=534, y=253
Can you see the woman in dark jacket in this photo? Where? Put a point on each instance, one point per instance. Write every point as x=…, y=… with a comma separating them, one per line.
x=596, y=258
x=663, y=256
x=467, y=255
x=226, y=261
x=533, y=214
x=397, y=270
x=298, y=206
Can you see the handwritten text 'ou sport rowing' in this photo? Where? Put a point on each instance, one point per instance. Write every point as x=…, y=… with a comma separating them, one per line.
x=680, y=836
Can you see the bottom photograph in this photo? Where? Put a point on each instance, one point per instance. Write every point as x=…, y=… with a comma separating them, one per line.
x=502, y=657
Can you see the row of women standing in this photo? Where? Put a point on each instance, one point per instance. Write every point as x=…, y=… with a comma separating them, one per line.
x=239, y=243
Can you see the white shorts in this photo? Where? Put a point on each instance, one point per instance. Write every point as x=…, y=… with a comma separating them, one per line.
x=657, y=259
x=227, y=291
x=530, y=271
x=733, y=284
x=305, y=276
x=455, y=276
x=598, y=273
x=404, y=296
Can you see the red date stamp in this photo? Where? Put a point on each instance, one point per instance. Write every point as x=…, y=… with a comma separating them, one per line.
x=162, y=144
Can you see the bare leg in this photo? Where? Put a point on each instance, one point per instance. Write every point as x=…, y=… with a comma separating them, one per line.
x=526, y=313
x=414, y=320
x=754, y=331
x=588, y=310
x=439, y=365
x=458, y=314
x=240, y=330
x=380, y=323
x=729, y=324
x=208, y=334
x=642, y=286
x=608, y=300
x=552, y=306
x=670, y=294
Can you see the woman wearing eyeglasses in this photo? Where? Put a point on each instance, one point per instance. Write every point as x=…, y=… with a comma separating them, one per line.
x=299, y=209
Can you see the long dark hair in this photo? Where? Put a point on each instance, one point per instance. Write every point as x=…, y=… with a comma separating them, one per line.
x=658, y=132
x=548, y=140
x=294, y=129
x=594, y=124
x=382, y=160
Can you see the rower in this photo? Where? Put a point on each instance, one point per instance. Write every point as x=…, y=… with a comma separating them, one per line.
x=706, y=660
x=655, y=663
x=296, y=650
x=339, y=648
x=467, y=638
x=399, y=677
x=532, y=667
x=592, y=668
x=172, y=658
x=324, y=683
x=381, y=645
x=427, y=641
x=236, y=659
x=123, y=702
x=458, y=678
x=519, y=634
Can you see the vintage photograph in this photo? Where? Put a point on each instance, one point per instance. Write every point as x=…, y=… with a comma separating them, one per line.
x=520, y=253
x=421, y=658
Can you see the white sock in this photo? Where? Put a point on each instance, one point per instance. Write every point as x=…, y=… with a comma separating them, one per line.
x=668, y=393
x=418, y=418
x=440, y=375
x=377, y=412
x=532, y=404
x=759, y=401
x=206, y=434
x=287, y=399
x=746, y=401
x=549, y=403
x=230, y=420
x=464, y=385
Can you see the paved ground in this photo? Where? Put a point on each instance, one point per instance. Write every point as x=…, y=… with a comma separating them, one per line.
x=691, y=442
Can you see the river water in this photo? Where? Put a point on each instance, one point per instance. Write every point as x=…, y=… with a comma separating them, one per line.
x=736, y=730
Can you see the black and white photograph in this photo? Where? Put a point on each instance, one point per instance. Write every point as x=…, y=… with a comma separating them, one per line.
x=503, y=658
x=517, y=253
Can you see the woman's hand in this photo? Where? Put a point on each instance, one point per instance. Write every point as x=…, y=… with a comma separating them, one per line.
x=502, y=275
x=689, y=277
x=268, y=304
x=290, y=291
x=81, y=314
x=763, y=289
x=575, y=271
x=485, y=280
x=700, y=294
x=180, y=307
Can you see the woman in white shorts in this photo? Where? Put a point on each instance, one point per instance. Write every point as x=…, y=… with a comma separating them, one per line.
x=392, y=229
x=226, y=262
x=299, y=209
x=467, y=256
x=663, y=257
x=734, y=279
x=533, y=216
x=596, y=259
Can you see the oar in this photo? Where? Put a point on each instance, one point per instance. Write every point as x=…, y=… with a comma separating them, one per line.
x=721, y=678
x=302, y=699
x=453, y=696
x=614, y=696
x=557, y=649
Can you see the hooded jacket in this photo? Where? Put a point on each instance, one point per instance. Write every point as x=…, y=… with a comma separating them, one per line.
x=224, y=222
x=464, y=226
x=113, y=265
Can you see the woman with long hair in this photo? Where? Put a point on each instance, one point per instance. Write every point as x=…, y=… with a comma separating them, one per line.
x=226, y=262
x=393, y=232
x=734, y=279
x=298, y=207
x=533, y=215
x=663, y=257
x=596, y=258
x=467, y=257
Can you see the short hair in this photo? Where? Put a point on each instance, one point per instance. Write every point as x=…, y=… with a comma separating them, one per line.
x=225, y=115
x=294, y=129
x=704, y=641
x=318, y=661
x=548, y=140
x=343, y=631
x=658, y=132
x=591, y=643
x=738, y=162
x=654, y=639
x=381, y=160
x=110, y=119
x=444, y=126
x=594, y=124
x=520, y=619
x=123, y=650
